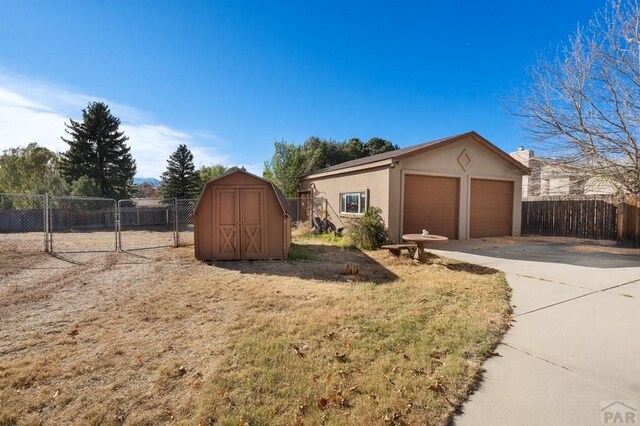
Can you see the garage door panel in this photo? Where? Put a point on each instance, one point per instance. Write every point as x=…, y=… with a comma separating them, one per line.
x=431, y=203
x=491, y=208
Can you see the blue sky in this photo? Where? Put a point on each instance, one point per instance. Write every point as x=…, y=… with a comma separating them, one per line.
x=230, y=77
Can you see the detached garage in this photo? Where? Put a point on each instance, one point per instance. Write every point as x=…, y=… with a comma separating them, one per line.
x=241, y=216
x=461, y=187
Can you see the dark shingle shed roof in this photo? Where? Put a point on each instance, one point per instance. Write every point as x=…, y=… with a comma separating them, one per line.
x=416, y=149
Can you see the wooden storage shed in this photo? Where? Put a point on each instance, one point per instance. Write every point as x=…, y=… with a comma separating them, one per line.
x=241, y=216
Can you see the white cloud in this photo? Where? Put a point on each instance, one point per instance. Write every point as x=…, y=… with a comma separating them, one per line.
x=33, y=111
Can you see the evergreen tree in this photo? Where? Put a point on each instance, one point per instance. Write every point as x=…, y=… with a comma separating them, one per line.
x=98, y=151
x=180, y=180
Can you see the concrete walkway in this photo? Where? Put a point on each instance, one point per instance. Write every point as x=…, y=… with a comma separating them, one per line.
x=575, y=341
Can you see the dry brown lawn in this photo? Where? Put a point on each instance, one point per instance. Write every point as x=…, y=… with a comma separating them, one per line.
x=155, y=337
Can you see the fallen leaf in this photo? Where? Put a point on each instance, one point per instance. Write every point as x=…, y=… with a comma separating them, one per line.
x=393, y=418
x=419, y=372
x=338, y=399
x=298, y=351
x=330, y=336
x=322, y=403
x=437, y=387
x=340, y=357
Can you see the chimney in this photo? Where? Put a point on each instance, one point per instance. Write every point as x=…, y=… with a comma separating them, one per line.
x=523, y=155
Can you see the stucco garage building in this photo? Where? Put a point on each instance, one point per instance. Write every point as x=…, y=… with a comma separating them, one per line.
x=241, y=216
x=462, y=187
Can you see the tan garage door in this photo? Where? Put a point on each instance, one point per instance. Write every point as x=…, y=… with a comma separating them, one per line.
x=491, y=212
x=431, y=203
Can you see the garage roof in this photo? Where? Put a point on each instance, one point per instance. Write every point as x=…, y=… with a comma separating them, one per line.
x=417, y=149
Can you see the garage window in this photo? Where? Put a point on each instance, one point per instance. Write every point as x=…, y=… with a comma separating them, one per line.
x=353, y=202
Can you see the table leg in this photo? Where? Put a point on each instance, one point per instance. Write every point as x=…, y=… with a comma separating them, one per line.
x=419, y=254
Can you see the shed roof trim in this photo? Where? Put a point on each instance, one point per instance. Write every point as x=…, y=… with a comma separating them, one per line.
x=417, y=149
x=279, y=195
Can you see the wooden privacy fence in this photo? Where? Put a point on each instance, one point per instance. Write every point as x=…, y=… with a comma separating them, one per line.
x=629, y=220
x=604, y=217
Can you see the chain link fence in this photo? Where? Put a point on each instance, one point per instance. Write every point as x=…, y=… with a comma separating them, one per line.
x=22, y=222
x=80, y=224
x=184, y=225
x=64, y=224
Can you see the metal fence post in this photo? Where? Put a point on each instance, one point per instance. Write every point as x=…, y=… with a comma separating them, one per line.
x=45, y=219
x=176, y=232
x=118, y=228
x=50, y=223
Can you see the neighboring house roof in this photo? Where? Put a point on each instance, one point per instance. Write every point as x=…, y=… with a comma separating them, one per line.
x=418, y=149
x=279, y=195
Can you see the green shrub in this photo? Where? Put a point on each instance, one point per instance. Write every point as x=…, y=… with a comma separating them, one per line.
x=368, y=232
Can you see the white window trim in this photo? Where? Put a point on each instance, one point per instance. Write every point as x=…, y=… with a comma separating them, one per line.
x=361, y=208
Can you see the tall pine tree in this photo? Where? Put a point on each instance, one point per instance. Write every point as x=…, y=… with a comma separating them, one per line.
x=98, y=151
x=180, y=180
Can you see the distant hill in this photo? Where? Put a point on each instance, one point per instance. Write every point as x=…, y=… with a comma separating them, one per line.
x=140, y=180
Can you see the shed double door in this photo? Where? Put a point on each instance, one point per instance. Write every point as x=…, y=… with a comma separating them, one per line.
x=239, y=223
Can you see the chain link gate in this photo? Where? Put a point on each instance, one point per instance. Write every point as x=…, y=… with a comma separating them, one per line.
x=82, y=224
x=146, y=223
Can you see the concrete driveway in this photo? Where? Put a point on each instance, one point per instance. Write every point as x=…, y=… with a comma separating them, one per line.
x=575, y=341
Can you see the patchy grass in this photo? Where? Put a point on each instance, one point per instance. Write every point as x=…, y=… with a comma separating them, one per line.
x=343, y=241
x=299, y=252
x=156, y=337
x=404, y=352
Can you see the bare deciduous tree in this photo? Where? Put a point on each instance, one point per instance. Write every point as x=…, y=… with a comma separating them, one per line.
x=582, y=106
